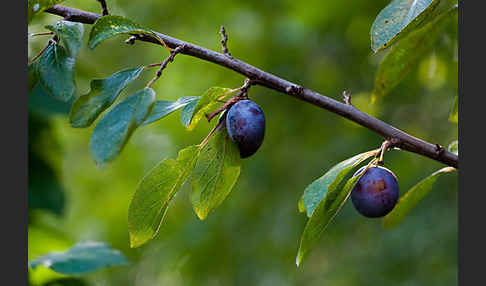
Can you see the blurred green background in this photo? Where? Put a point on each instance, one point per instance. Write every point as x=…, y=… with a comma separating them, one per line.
x=252, y=238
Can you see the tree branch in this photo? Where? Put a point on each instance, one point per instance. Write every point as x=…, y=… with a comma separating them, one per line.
x=397, y=137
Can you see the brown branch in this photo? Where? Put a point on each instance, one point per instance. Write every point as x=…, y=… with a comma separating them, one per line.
x=163, y=65
x=402, y=140
x=50, y=42
x=224, y=41
x=104, y=9
x=40, y=34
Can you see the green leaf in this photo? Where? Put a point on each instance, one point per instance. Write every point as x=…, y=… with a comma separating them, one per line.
x=41, y=103
x=109, y=26
x=103, y=93
x=454, y=147
x=55, y=69
x=407, y=53
x=187, y=111
x=154, y=193
x=163, y=108
x=325, y=211
x=331, y=181
x=207, y=103
x=70, y=35
x=115, y=128
x=410, y=200
x=453, y=116
x=33, y=76
x=35, y=7
x=81, y=258
x=398, y=19
x=215, y=173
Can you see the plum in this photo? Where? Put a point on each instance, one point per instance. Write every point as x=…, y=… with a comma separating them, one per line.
x=245, y=123
x=376, y=192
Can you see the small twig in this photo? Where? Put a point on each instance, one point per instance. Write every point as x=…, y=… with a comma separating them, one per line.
x=152, y=65
x=205, y=140
x=51, y=41
x=384, y=146
x=104, y=9
x=40, y=34
x=347, y=98
x=224, y=40
x=242, y=94
x=170, y=58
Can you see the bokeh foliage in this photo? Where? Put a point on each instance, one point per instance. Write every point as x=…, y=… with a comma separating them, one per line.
x=252, y=238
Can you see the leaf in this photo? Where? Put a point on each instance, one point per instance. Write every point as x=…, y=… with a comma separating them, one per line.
x=154, y=193
x=454, y=147
x=331, y=181
x=398, y=19
x=163, y=108
x=207, y=102
x=410, y=200
x=113, y=130
x=35, y=7
x=103, y=93
x=407, y=53
x=215, y=173
x=56, y=72
x=325, y=211
x=33, y=76
x=187, y=111
x=453, y=116
x=70, y=35
x=42, y=103
x=109, y=26
x=82, y=258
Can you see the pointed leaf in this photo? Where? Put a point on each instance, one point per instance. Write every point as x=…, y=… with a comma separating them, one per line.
x=208, y=102
x=331, y=180
x=103, y=93
x=453, y=116
x=81, y=258
x=163, y=108
x=215, y=173
x=56, y=72
x=154, y=193
x=397, y=19
x=109, y=26
x=187, y=111
x=454, y=147
x=115, y=128
x=325, y=211
x=35, y=7
x=410, y=200
x=407, y=53
x=70, y=35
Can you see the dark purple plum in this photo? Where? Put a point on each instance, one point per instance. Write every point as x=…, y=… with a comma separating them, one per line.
x=376, y=192
x=245, y=123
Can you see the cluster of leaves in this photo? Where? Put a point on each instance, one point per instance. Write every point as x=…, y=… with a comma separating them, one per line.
x=213, y=167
